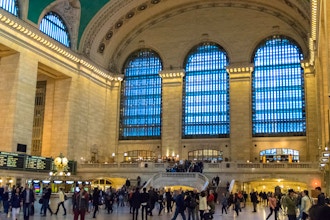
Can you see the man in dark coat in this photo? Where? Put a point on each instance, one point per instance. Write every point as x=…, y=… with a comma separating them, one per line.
x=254, y=200
x=46, y=197
x=180, y=205
x=27, y=197
x=144, y=203
x=136, y=203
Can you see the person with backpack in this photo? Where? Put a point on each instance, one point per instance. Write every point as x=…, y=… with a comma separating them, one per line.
x=191, y=204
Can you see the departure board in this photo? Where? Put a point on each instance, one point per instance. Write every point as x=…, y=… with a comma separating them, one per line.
x=38, y=163
x=11, y=160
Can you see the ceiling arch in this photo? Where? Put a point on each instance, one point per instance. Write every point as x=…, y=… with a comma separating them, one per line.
x=121, y=26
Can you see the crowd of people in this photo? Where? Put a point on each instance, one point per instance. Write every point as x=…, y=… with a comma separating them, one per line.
x=191, y=205
x=186, y=166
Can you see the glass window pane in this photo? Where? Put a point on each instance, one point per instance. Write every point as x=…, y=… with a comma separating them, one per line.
x=53, y=25
x=10, y=5
x=278, y=97
x=206, y=93
x=140, y=115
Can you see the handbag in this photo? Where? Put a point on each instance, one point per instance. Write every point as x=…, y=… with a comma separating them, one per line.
x=41, y=200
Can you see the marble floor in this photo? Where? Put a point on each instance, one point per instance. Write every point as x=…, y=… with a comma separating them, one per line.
x=122, y=213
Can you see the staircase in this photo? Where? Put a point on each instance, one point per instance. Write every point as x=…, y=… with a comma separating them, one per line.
x=168, y=179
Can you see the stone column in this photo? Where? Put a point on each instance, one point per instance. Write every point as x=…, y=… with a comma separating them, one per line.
x=313, y=126
x=240, y=112
x=18, y=84
x=113, y=120
x=172, y=112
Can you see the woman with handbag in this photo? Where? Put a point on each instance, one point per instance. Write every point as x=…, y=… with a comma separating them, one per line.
x=203, y=207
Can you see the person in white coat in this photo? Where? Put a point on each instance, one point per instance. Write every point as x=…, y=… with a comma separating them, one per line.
x=306, y=204
x=203, y=208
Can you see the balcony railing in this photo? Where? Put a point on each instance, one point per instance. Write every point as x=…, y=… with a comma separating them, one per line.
x=208, y=167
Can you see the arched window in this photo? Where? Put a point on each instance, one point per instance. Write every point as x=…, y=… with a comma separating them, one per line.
x=206, y=93
x=279, y=154
x=10, y=6
x=206, y=155
x=140, y=111
x=139, y=155
x=278, y=98
x=53, y=25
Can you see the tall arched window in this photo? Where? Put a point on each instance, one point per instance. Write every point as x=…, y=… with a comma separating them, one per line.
x=10, y=6
x=140, y=111
x=206, y=93
x=278, y=98
x=53, y=25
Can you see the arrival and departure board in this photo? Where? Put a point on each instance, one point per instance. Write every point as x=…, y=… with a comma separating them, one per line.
x=38, y=163
x=11, y=160
x=31, y=163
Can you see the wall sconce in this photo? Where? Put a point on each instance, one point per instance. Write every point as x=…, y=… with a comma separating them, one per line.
x=125, y=154
x=113, y=154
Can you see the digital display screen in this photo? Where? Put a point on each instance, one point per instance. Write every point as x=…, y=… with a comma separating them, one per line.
x=11, y=160
x=38, y=163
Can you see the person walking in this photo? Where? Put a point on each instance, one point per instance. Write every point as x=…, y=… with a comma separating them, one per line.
x=290, y=202
x=272, y=202
x=237, y=204
x=224, y=203
x=160, y=201
x=80, y=203
x=136, y=203
x=144, y=203
x=15, y=202
x=169, y=199
x=306, y=204
x=96, y=199
x=5, y=199
x=46, y=197
x=180, y=205
x=61, y=195
x=320, y=196
x=27, y=198
x=202, y=205
x=254, y=200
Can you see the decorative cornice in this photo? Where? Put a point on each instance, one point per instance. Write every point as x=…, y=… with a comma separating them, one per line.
x=312, y=40
x=172, y=73
x=239, y=69
x=23, y=30
x=308, y=68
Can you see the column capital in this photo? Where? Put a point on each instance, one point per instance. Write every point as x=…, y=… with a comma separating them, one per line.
x=240, y=68
x=173, y=73
x=309, y=69
x=240, y=71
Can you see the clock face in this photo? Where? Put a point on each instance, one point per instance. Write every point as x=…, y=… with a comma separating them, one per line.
x=57, y=161
x=64, y=161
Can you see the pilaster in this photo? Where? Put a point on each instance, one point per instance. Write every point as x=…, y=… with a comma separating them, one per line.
x=18, y=84
x=313, y=119
x=240, y=112
x=172, y=112
x=113, y=116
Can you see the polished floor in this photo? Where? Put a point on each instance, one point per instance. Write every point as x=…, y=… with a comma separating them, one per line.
x=122, y=213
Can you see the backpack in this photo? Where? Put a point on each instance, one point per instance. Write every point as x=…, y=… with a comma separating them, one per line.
x=192, y=203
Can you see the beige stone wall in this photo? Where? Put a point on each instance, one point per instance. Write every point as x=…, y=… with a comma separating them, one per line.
x=18, y=83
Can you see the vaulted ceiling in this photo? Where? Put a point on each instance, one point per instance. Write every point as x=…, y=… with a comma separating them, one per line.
x=110, y=30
